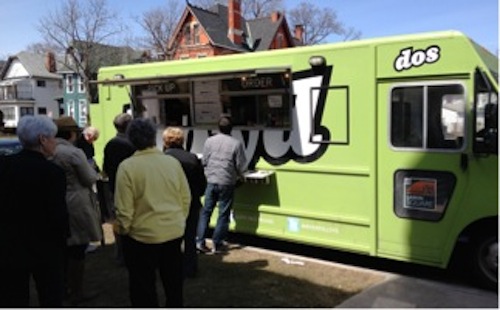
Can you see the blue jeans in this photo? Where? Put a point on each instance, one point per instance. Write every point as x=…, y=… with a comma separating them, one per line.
x=223, y=194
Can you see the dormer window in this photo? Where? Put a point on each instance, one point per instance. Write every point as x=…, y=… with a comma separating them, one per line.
x=280, y=41
x=81, y=85
x=187, y=34
x=69, y=84
x=196, y=33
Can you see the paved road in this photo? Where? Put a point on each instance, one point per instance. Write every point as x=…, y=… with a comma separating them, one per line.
x=400, y=291
x=409, y=292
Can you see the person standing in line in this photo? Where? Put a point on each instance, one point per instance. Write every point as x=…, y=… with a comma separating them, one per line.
x=116, y=150
x=2, y=123
x=152, y=199
x=84, y=219
x=34, y=221
x=224, y=161
x=173, y=141
x=85, y=141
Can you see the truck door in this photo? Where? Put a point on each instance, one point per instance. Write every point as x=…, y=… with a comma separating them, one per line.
x=421, y=132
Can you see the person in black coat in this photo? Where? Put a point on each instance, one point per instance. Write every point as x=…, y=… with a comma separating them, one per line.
x=85, y=141
x=34, y=223
x=173, y=141
x=117, y=150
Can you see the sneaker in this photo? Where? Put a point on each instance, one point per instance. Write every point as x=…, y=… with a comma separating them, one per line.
x=202, y=248
x=220, y=249
x=92, y=247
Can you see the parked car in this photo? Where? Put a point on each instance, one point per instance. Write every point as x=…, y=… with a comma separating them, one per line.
x=9, y=145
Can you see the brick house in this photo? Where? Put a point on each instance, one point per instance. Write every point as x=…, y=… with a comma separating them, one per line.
x=221, y=30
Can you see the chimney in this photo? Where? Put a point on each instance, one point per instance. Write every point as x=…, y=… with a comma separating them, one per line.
x=50, y=62
x=299, y=33
x=234, y=21
x=275, y=16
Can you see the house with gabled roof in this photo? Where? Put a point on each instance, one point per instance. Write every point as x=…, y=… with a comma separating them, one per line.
x=29, y=84
x=77, y=93
x=221, y=30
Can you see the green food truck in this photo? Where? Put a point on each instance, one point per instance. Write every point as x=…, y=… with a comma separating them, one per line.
x=385, y=147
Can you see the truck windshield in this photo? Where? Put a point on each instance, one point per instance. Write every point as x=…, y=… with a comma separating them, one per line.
x=489, y=60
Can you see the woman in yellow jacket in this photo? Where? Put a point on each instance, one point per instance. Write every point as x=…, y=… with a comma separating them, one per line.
x=152, y=199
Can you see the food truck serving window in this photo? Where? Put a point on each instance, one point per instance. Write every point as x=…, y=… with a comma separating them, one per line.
x=261, y=100
x=252, y=98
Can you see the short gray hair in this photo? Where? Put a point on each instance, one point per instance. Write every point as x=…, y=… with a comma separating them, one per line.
x=30, y=128
x=122, y=121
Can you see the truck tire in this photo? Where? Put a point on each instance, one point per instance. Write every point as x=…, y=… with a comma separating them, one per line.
x=484, y=251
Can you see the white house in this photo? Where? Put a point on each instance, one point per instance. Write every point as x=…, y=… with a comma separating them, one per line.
x=29, y=84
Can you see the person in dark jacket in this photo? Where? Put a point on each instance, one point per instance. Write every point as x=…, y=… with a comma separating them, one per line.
x=85, y=141
x=173, y=141
x=34, y=222
x=116, y=150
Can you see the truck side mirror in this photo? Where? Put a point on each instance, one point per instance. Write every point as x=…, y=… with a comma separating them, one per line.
x=491, y=116
x=491, y=127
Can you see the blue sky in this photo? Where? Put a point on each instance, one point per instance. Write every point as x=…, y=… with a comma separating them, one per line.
x=374, y=18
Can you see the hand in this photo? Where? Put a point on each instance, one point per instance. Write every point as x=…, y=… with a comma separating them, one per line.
x=116, y=227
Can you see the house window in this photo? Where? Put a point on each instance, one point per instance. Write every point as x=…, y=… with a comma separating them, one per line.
x=42, y=111
x=69, y=84
x=280, y=41
x=40, y=83
x=428, y=116
x=202, y=55
x=71, y=108
x=27, y=111
x=187, y=35
x=82, y=106
x=81, y=85
x=9, y=113
x=196, y=34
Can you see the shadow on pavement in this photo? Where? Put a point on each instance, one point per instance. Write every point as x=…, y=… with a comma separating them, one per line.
x=218, y=284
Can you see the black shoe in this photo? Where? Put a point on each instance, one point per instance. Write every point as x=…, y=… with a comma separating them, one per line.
x=190, y=274
x=220, y=249
x=202, y=248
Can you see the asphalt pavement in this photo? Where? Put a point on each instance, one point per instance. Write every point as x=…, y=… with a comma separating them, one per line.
x=408, y=292
x=403, y=291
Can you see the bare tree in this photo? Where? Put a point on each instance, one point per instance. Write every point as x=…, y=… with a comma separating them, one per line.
x=260, y=8
x=319, y=23
x=351, y=34
x=250, y=9
x=81, y=29
x=42, y=48
x=206, y=4
x=159, y=24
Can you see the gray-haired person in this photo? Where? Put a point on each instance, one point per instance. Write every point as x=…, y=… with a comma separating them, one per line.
x=117, y=150
x=34, y=221
x=152, y=199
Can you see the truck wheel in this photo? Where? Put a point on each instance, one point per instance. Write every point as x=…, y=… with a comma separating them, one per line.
x=485, y=260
